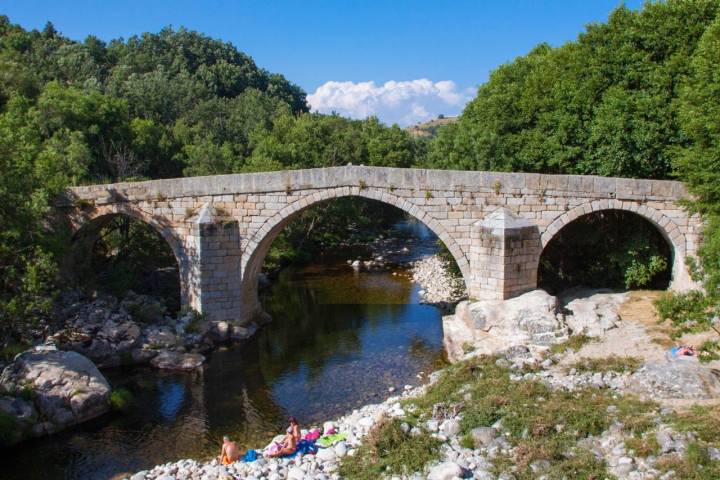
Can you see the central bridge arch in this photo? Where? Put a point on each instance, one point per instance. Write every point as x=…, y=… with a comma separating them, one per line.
x=259, y=243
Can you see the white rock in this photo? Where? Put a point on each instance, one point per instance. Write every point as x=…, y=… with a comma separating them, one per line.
x=295, y=474
x=445, y=471
x=341, y=449
x=326, y=454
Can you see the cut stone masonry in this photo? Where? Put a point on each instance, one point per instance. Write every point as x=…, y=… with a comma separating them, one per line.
x=495, y=224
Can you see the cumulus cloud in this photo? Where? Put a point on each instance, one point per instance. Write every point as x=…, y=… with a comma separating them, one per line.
x=405, y=102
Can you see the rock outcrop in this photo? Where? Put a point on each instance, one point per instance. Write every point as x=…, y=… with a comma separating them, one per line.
x=136, y=329
x=489, y=326
x=46, y=390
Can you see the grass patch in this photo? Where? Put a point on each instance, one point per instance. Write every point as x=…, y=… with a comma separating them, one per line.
x=703, y=420
x=544, y=424
x=608, y=364
x=121, y=399
x=388, y=450
x=643, y=446
x=574, y=343
x=694, y=465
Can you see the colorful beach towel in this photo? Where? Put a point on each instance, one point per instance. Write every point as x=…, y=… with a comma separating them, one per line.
x=330, y=440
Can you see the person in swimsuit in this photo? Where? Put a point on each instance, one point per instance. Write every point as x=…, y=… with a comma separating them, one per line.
x=289, y=443
x=229, y=452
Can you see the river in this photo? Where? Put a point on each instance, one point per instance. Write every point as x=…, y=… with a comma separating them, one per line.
x=339, y=339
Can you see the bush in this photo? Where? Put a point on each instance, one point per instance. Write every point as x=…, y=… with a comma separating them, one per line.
x=687, y=312
x=121, y=399
x=389, y=450
x=9, y=352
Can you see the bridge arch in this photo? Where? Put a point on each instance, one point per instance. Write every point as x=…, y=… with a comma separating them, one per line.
x=159, y=224
x=258, y=244
x=670, y=231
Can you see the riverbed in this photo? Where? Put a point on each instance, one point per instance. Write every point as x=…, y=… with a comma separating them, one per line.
x=340, y=338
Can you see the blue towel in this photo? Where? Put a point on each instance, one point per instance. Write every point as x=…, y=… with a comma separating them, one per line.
x=250, y=456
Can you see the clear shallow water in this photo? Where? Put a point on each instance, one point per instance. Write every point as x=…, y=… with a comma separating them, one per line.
x=339, y=339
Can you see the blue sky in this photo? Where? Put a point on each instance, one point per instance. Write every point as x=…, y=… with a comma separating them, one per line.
x=403, y=60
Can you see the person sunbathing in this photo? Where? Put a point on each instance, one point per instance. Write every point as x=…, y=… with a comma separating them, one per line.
x=290, y=441
x=229, y=452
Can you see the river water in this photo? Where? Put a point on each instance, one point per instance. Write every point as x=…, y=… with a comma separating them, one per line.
x=339, y=339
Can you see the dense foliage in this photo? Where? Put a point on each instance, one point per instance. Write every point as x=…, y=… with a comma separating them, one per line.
x=699, y=166
x=606, y=104
x=637, y=96
x=157, y=105
x=627, y=252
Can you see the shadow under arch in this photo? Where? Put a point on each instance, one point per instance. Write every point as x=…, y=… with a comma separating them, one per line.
x=259, y=243
x=660, y=231
x=93, y=219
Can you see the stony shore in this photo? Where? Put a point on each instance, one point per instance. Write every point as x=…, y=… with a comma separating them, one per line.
x=533, y=359
x=438, y=285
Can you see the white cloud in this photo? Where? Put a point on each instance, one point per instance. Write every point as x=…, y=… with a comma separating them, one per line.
x=405, y=102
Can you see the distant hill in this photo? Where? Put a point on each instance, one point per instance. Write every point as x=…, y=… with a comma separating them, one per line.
x=429, y=129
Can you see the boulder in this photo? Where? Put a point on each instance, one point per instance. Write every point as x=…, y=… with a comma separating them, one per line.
x=160, y=337
x=483, y=436
x=63, y=388
x=243, y=332
x=490, y=326
x=445, y=471
x=591, y=311
x=168, y=360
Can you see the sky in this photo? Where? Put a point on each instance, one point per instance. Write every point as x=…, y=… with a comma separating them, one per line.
x=405, y=61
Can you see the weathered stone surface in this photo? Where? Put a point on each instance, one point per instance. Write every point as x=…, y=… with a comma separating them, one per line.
x=483, y=436
x=65, y=389
x=166, y=360
x=494, y=224
x=491, y=326
x=683, y=377
x=592, y=313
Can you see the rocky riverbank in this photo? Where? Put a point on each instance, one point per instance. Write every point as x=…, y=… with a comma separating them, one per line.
x=438, y=285
x=137, y=330
x=515, y=412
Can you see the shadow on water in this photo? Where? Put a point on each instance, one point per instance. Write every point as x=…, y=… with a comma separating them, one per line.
x=339, y=339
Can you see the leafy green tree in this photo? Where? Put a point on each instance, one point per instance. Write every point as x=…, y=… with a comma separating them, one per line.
x=605, y=104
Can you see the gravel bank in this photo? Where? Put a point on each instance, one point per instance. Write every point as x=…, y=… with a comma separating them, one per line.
x=438, y=285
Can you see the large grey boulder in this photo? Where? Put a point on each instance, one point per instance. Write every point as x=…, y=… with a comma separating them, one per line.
x=490, y=326
x=445, y=471
x=62, y=388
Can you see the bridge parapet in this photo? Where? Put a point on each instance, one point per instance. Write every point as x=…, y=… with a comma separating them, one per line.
x=221, y=227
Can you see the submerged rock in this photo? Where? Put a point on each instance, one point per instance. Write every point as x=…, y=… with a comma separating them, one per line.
x=168, y=360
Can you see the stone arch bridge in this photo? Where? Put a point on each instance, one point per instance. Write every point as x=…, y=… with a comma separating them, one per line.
x=494, y=224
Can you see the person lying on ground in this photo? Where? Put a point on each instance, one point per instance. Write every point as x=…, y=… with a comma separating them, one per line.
x=229, y=452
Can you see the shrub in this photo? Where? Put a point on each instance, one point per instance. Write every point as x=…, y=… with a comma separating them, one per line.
x=389, y=450
x=121, y=399
x=9, y=352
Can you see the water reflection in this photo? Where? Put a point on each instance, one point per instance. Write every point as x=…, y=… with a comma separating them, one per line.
x=339, y=339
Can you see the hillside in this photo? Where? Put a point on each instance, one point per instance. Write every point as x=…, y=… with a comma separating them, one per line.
x=430, y=128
